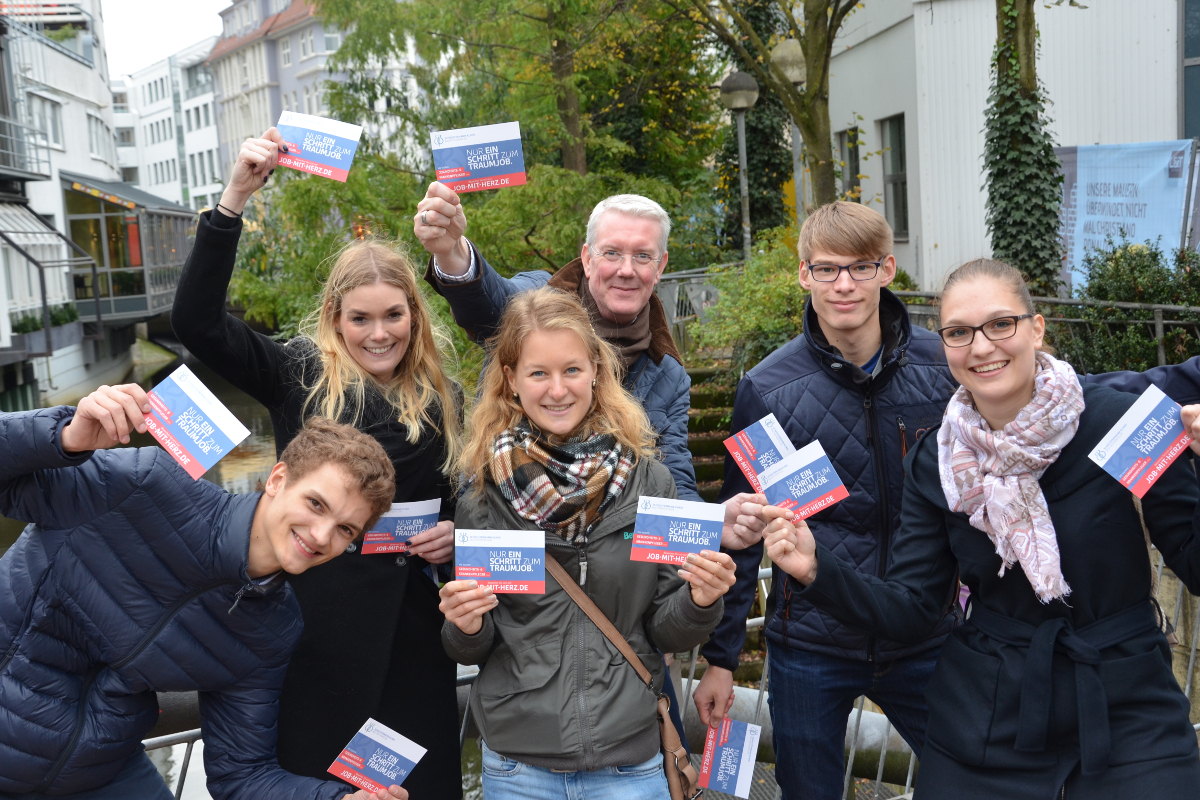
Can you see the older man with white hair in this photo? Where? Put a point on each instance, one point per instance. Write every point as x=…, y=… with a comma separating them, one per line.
x=621, y=261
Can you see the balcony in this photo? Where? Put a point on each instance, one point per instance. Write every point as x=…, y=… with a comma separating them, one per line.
x=24, y=153
x=198, y=89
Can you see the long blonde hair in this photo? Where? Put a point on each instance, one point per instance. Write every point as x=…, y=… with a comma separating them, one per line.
x=614, y=411
x=420, y=381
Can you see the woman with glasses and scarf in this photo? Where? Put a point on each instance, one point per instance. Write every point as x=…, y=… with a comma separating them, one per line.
x=558, y=446
x=1060, y=682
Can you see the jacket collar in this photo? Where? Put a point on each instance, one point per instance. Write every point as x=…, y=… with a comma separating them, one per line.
x=897, y=334
x=569, y=278
x=231, y=545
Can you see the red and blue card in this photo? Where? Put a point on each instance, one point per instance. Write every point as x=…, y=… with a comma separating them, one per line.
x=730, y=751
x=1145, y=441
x=510, y=562
x=474, y=159
x=804, y=482
x=402, y=522
x=376, y=758
x=666, y=530
x=317, y=145
x=759, y=447
x=191, y=424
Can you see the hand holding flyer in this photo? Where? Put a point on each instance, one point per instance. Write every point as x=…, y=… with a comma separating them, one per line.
x=1145, y=441
x=510, y=562
x=665, y=530
x=376, y=758
x=759, y=447
x=474, y=159
x=401, y=523
x=191, y=424
x=729, y=755
x=318, y=145
x=804, y=482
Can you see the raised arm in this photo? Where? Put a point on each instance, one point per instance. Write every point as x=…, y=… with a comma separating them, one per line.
x=1172, y=514
x=250, y=361
x=1180, y=382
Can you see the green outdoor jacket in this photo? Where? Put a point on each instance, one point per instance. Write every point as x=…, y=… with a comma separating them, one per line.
x=553, y=691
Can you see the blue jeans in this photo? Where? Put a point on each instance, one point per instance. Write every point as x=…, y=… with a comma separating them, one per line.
x=811, y=697
x=137, y=780
x=505, y=779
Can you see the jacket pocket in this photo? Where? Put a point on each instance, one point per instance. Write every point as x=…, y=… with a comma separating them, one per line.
x=520, y=702
x=962, y=700
x=1147, y=711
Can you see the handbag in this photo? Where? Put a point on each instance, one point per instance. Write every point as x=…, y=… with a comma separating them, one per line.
x=682, y=779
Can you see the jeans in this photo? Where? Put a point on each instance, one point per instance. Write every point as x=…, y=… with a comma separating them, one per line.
x=505, y=779
x=811, y=697
x=137, y=780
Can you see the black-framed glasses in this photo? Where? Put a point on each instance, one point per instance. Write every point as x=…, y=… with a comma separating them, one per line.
x=996, y=330
x=859, y=271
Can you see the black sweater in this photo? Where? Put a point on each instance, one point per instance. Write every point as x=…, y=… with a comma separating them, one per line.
x=371, y=622
x=975, y=697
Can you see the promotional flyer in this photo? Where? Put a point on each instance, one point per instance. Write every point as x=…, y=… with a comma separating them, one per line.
x=667, y=530
x=317, y=145
x=191, y=424
x=1145, y=441
x=401, y=523
x=474, y=159
x=511, y=562
x=804, y=482
x=729, y=755
x=376, y=758
x=758, y=447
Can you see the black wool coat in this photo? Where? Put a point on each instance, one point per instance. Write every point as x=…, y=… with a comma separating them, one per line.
x=1031, y=697
x=371, y=645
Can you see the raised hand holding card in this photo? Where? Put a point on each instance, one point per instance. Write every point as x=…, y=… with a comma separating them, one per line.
x=803, y=482
x=1145, y=441
x=759, y=447
x=665, y=530
x=401, y=523
x=317, y=145
x=191, y=424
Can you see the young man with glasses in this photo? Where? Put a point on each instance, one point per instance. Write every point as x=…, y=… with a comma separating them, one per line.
x=866, y=384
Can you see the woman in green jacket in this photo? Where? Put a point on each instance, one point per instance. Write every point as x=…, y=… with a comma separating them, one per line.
x=558, y=446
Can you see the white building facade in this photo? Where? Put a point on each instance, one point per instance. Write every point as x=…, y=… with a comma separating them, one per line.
x=910, y=78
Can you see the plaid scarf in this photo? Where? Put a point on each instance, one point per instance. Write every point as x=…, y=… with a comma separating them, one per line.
x=564, y=488
x=993, y=475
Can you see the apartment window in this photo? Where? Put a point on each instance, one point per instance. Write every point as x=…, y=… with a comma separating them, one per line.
x=125, y=136
x=285, y=52
x=188, y=115
x=192, y=164
x=120, y=102
x=245, y=65
x=157, y=176
x=287, y=102
x=303, y=45
x=895, y=176
x=848, y=153
x=295, y=101
x=206, y=122
x=307, y=101
x=312, y=42
x=169, y=123
x=101, y=142
x=212, y=170
x=332, y=42
x=46, y=116
x=316, y=100
x=129, y=174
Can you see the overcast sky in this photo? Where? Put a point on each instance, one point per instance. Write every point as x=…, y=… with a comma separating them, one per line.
x=140, y=32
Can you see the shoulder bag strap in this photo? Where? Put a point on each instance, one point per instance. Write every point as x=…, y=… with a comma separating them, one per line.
x=1163, y=623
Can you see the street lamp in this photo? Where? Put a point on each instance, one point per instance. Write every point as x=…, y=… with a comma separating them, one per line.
x=739, y=93
x=788, y=55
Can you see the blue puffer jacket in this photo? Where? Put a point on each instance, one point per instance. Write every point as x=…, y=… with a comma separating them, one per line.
x=131, y=580
x=657, y=379
x=866, y=425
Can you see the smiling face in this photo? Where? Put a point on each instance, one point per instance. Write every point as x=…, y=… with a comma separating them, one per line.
x=302, y=523
x=553, y=378
x=622, y=289
x=375, y=324
x=846, y=306
x=998, y=374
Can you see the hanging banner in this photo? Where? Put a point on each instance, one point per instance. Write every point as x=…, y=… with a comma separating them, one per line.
x=1134, y=191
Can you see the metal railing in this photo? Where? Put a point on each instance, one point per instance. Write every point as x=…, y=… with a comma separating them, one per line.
x=24, y=151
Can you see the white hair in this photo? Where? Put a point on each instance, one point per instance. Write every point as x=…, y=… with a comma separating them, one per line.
x=635, y=206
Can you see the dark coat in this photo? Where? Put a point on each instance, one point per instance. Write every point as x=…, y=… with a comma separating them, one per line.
x=658, y=381
x=126, y=585
x=866, y=425
x=1015, y=718
x=371, y=622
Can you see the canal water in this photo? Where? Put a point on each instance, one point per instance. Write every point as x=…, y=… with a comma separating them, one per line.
x=242, y=470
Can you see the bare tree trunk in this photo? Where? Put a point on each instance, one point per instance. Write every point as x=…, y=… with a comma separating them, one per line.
x=562, y=67
x=814, y=123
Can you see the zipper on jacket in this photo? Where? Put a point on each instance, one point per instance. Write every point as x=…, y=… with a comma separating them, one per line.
x=882, y=506
x=583, y=564
x=164, y=619
x=16, y=642
x=585, y=730
x=903, y=439
x=88, y=681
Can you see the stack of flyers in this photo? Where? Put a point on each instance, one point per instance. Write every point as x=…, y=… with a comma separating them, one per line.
x=473, y=159
x=803, y=482
x=729, y=755
x=510, y=562
x=376, y=758
x=758, y=447
x=1145, y=441
x=191, y=424
x=318, y=145
x=667, y=530
x=401, y=523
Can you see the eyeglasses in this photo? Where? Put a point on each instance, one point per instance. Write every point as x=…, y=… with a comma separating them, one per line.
x=996, y=330
x=859, y=271
x=617, y=257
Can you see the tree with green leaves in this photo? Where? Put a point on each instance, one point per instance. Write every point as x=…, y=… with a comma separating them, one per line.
x=1024, y=178
x=815, y=27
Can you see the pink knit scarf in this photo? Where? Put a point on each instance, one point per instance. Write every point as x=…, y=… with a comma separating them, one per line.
x=993, y=475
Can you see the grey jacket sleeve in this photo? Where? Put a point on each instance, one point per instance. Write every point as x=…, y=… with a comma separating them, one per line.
x=468, y=648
